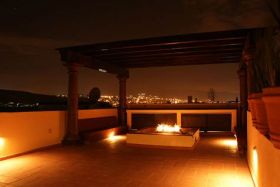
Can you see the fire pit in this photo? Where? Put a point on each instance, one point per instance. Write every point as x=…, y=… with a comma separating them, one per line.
x=167, y=136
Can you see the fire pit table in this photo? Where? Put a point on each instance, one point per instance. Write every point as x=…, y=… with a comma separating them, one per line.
x=164, y=137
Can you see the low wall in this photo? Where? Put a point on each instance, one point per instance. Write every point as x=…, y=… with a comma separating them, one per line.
x=83, y=114
x=26, y=131
x=263, y=158
x=232, y=112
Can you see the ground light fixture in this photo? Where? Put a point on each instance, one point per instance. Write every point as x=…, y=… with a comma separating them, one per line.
x=2, y=144
x=112, y=137
x=255, y=166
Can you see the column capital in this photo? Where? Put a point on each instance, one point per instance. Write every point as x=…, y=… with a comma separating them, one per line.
x=72, y=66
x=123, y=76
x=248, y=55
x=242, y=69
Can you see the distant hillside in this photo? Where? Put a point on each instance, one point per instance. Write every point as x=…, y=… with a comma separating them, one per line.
x=28, y=97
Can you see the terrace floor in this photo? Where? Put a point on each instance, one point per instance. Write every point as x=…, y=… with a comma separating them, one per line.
x=213, y=163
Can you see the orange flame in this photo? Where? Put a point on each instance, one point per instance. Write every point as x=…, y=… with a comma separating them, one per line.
x=168, y=128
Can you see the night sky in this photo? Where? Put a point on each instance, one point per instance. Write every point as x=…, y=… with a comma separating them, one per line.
x=30, y=30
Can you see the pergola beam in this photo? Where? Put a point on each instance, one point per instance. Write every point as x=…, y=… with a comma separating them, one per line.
x=167, y=41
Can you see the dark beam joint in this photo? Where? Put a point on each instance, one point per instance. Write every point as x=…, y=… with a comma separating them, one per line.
x=70, y=56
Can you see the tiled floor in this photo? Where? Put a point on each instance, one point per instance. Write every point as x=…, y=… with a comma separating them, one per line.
x=214, y=163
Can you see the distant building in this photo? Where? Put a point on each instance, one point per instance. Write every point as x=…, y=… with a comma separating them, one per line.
x=190, y=100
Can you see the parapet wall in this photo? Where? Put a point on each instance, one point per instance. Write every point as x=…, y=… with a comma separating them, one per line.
x=263, y=158
x=22, y=132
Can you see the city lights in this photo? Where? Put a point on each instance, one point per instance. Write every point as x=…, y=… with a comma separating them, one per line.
x=142, y=98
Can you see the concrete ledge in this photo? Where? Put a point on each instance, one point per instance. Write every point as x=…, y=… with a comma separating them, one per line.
x=163, y=140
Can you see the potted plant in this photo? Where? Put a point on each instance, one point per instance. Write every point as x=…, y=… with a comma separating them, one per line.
x=271, y=94
x=257, y=74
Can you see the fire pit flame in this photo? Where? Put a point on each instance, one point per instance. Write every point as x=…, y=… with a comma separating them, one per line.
x=168, y=128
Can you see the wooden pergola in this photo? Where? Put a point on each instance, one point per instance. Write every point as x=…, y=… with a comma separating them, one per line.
x=180, y=50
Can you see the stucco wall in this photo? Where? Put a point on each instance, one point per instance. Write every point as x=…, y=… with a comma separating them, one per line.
x=265, y=166
x=83, y=114
x=25, y=131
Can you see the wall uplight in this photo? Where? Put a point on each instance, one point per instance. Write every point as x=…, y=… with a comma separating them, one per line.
x=2, y=142
x=112, y=137
x=229, y=143
x=102, y=70
x=255, y=165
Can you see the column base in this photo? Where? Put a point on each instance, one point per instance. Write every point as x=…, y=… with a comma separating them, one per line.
x=123, y=129
x=72, y=140
x=242, y=151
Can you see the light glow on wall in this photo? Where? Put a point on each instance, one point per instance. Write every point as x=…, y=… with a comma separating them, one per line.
x=112, y=137
x=227, y=143
x=230, y=143
x=255, y=166
x=2, y=142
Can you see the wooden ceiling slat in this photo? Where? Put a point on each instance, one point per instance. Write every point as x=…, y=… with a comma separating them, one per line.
x=167, y=50
x=179, y=63
x=233, y=57
x=175, y=53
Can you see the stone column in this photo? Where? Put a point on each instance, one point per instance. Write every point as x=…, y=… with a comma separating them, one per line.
x=243, y=107
x=72, y=131
x=122, y=101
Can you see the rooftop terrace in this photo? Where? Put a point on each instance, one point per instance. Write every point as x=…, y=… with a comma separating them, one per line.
x=214, y=162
